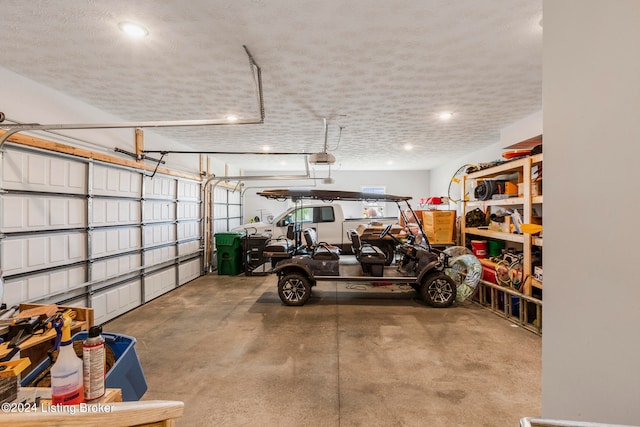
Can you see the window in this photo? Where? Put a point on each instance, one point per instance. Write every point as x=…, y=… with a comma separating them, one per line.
x=324, y=214
x=373, y=209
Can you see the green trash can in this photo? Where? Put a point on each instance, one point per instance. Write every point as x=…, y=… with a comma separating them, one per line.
x=229, y=249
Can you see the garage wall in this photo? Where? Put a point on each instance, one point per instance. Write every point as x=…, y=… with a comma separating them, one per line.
x=93, y=234
x=591, y=93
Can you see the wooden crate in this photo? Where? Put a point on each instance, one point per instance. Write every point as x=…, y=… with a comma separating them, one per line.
x=439, y=226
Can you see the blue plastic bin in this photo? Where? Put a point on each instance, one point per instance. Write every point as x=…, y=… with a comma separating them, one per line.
x=126, y=373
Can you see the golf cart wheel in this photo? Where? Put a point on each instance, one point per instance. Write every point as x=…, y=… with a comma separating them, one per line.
x=438, y=290
x=294, y=289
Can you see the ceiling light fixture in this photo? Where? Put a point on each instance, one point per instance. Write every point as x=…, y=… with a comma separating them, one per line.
x=445, y=115
x=266, y=148
x=133, y=30
x=408, y=147
x=232, y=118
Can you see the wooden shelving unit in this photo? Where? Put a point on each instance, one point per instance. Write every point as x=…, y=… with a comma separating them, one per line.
x=524, y=203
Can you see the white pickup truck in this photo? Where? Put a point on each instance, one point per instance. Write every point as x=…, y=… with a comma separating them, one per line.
x=330, y=224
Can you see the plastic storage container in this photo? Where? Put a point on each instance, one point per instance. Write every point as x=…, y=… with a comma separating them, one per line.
x=229, y=249
x=125, y=374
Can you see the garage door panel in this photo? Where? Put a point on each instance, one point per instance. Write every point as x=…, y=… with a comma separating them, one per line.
x=159, y=187
x=40, y=172
x=34, y=286
x=159, y=255
x=159, y=283
x=159, y=234
x=115, y=301
x=189, y=271
x=23, y=254
x=115, y=212
x=112, y=241
x=22, y=212
x=111, y=267
x=188, y=230
x=109, y=181
x=156, y=211
x=188, y=211
x=188, y=190
x=188, y=248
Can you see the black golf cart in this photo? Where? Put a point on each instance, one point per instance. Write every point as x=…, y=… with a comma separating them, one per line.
x=301, y=261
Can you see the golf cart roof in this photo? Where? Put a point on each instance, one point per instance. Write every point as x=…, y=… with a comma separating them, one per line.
x=330, y=195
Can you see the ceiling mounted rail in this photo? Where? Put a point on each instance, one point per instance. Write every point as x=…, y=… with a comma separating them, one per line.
x=255, y=71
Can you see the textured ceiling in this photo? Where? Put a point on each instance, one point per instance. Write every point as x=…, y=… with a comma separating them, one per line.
x=382, y=70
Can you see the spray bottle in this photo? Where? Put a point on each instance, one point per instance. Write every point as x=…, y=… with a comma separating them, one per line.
x=66, y=373
x=93, y=356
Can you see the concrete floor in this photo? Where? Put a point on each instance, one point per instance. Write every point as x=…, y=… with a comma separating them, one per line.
x=235, y=355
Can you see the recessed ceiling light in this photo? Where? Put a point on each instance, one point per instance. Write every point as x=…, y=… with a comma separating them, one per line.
x=133, y=30
x=445, y=115
x=232, y=118
x=408, y=147
x=266, y=148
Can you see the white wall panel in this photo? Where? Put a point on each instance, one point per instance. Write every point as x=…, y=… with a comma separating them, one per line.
x=116, y=266
x=159, y=283
x=188, y=190
x=159, y=234
x=188, y=247
x=188, y=230
x=159, y=255
x=21, y=212
x=189, y=271
x=31, y=287
x=188, y=210
x=159, y=187
x=155, y=210
x=114, y=241
x=107, y=212
x=110, y=181
x=116, y=301
x=28, y=253
x=39, y=172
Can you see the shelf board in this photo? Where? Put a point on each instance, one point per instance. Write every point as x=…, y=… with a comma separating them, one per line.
x=536, y=199
x=511, y=166
x=517, y=238
x=501, y=202
x=536, y=241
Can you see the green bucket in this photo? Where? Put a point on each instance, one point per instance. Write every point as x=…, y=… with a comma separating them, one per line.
x=496, y=247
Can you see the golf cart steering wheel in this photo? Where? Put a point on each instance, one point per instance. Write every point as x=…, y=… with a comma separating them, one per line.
x=387, y=232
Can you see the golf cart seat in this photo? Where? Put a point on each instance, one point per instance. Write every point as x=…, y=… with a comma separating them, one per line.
x=372, y=258
x=319, y=250
x=281, y=247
